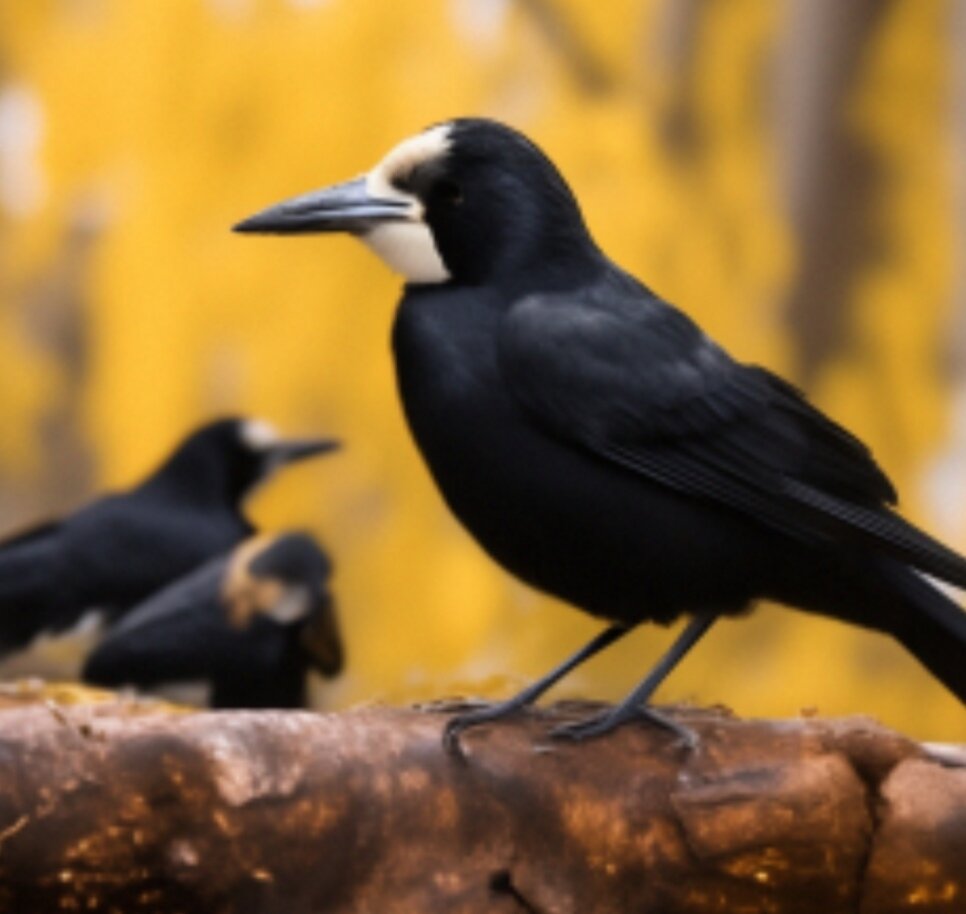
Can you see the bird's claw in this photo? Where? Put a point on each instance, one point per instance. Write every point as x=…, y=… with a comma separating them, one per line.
x=606, y=721
x=579, y=730
x=455, y=726
x=595, y=725
x=451, y=736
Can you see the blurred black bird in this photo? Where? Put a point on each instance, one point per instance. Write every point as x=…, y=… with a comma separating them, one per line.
x=596, y=442
x=121, y=548
x=249, y=624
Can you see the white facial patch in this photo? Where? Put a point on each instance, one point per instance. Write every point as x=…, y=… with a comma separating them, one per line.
x=259, y=435
x=409, y=249
x=293, y=605
x=408, y=246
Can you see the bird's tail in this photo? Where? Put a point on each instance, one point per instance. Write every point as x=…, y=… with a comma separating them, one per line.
x=930, y=626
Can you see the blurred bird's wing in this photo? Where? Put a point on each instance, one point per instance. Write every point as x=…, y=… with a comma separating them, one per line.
x=194, y=592
x=35, y=595
x=622, y=374
x=170, y=637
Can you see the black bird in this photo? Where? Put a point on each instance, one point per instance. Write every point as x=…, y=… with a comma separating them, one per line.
x=596, y=442
x=250, y=624
x=121, y=548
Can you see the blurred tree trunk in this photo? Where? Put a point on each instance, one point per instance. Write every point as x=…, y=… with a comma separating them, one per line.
x=589, y=73
x=945, y=480
x=829, y=178
x=55, y=310
x=670, y=55
x=112, y=808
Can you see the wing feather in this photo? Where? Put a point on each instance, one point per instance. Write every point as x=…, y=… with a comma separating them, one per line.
x=617, y=371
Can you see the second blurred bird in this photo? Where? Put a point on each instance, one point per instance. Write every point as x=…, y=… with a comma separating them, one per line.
x=184, y=588
x=119, y=549
x=249, y=624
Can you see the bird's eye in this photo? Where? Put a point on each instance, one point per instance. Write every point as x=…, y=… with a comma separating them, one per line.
x=449, y=192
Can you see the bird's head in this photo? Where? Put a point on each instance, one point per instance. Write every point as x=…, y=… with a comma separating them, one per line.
x=285, y=578
x=468, y=201
x=229, y=458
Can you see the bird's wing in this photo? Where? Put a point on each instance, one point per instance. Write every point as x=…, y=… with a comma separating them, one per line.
x=167, y=638
x=34, y=593
x=194, y=593
x=624, y=375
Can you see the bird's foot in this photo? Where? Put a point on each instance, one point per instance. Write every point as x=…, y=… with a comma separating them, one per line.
x=458, y=724
x=606, y=721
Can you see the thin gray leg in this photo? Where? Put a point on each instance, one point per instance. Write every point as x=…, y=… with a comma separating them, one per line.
x=634, y=706
x=456, y=725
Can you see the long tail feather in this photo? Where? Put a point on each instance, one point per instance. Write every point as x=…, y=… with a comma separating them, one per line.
x=932, y=627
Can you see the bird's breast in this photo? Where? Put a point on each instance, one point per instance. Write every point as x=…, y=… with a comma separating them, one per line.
x=459, y=411
x=566, y=521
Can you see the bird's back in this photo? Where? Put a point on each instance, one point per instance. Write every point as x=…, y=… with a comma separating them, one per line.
x=122, y=548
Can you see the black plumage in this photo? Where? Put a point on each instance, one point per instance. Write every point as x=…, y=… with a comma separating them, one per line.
x=250, y=625
x=597, y=443
x=121, y=548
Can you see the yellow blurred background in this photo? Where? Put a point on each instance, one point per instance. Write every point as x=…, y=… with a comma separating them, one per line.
x=792, y=173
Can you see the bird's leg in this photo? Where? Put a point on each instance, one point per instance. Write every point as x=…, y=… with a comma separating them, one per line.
x=456, y=725
x=634, y=707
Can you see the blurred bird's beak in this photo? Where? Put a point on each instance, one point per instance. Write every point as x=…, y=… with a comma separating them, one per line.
x=346, y=207
x=321, y=640
x=290, y=451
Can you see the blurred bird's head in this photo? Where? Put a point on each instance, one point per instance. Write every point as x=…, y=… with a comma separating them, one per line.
x=285, y=579
x=228, y=458
x=468, y=201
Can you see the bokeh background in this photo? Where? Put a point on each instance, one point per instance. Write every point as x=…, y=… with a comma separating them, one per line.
x=792, y=173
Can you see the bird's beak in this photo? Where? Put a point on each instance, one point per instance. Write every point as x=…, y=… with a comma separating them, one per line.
x=291, y=451
x=346, y=207
x=321, y=640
